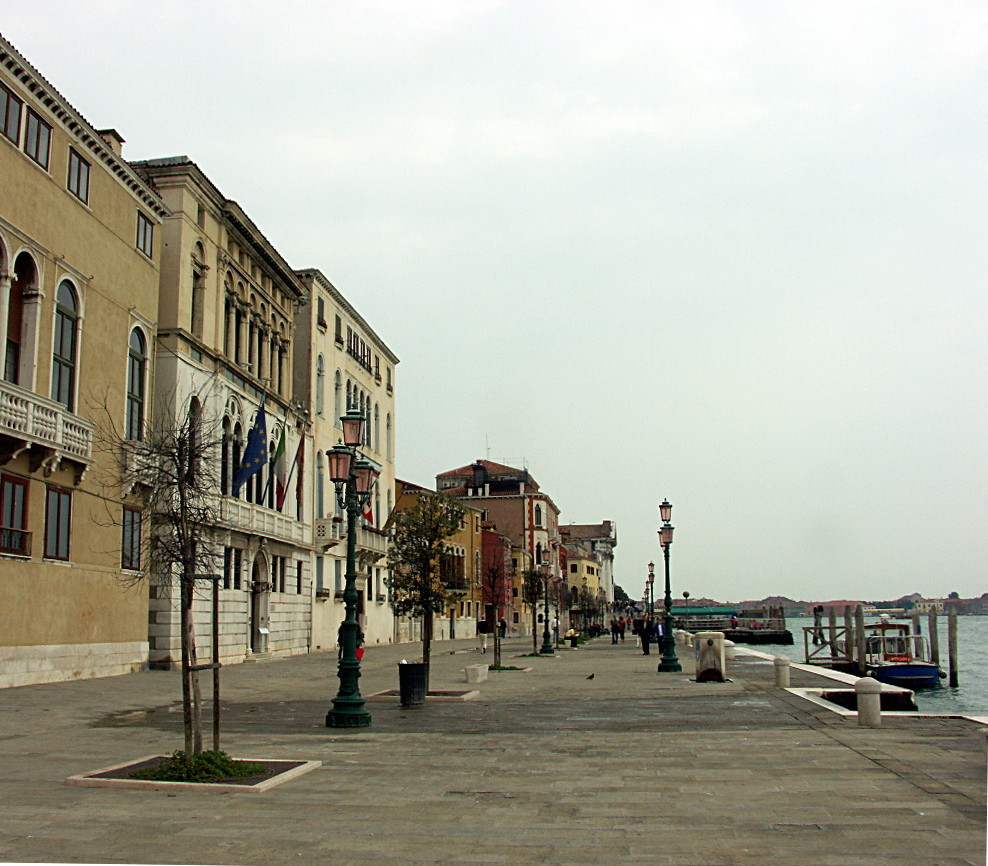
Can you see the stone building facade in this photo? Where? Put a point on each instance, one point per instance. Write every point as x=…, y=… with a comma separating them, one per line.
x=226, y=342
x=341, y=363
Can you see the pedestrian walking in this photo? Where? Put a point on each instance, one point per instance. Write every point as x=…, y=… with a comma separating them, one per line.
x=614, y=630
x=502, y=628
x=622, y=625
x=646, y=636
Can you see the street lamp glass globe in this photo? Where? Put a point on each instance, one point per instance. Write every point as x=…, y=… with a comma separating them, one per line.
x=665, y=510
x=353, y=427
x=339, y=458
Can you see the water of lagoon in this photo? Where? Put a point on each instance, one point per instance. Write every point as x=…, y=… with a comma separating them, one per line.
x=970, y=697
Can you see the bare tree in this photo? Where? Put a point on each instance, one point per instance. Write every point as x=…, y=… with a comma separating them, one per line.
x=170, y=471
x=532, y=587
x=493, y=589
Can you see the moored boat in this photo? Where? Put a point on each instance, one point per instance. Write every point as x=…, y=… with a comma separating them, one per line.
x=896, y=657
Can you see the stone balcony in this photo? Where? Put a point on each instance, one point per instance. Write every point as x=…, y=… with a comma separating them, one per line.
x=372, y=544
x=259, y=520
x=29, y=421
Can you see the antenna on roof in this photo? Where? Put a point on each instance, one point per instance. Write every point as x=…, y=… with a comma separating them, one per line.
x=487, y=445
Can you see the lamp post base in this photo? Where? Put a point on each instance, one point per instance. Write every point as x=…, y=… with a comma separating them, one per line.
x=347, y=716
x=670, y=661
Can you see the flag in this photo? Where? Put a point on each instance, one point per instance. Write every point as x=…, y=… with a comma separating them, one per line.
x=279, y=471
x=300, y=461
x=367, y=513
x=255, y=451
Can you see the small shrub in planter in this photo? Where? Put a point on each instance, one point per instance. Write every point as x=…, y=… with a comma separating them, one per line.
x=205, y=767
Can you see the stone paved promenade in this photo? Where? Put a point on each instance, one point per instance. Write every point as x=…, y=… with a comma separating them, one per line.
x=545, y=767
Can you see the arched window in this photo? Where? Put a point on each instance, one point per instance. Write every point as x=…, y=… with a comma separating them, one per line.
x=25, y=276
x=320, y=384
x=377, y=428
x=63, y=361
x=235, y=457
x=387, y=436
x=337, y=397
x=349, y=396
x=225, y=474
x=538, y=515
x=136, y=364
x=320, y=488
x=198, y=289
x=195, y=439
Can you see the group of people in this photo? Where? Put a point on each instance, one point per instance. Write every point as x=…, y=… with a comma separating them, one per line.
x=645, y=629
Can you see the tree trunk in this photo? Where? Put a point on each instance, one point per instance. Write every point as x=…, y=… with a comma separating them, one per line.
x=191, y=692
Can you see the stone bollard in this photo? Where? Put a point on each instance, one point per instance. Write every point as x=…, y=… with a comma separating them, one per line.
x=869, y=694
x=476, y=673
x=781, y=671
x=709, y=652
x=729, y=650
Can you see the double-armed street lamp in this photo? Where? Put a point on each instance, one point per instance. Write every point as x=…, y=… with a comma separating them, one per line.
x=354, y=477
x=546, y=649
x=669, y=663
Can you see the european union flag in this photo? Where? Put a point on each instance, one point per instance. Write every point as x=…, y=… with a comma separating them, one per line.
x=255, y=451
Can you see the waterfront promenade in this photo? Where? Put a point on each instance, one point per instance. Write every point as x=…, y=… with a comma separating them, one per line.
x=544, y=767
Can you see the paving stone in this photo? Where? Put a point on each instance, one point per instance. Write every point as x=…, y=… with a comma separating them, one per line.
x=544, y=767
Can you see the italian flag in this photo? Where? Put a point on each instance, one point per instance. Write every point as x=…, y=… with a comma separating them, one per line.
x=280, y=471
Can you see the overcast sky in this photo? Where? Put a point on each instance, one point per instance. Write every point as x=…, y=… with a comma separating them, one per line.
x=732, y=254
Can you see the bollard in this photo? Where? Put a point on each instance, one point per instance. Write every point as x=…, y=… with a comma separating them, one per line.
x=781, y=671
x=869, y=695
x=729, y=650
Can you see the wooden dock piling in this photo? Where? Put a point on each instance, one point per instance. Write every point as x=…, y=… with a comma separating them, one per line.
x=934, y=639
x=952, y=647
x=860, y=640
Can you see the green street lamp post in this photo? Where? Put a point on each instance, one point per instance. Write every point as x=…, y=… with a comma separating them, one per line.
x=546, y=649
x=670, y=662
x=354, y=479
x=651, y=590
x=686, y=601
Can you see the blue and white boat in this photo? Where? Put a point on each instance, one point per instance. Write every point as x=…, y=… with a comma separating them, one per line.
x=896, y=657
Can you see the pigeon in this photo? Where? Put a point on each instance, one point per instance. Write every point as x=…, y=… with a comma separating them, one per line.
x=591, y=676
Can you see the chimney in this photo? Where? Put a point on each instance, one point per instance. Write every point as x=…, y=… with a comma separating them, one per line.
x=479, y=475
x=114, y=140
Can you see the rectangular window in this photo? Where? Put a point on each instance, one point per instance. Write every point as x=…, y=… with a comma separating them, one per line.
x=58, y=517
x=78, y=182
x=321, y=312
x=338, y=576
x=298, y=576
x=238, y=564
x=13, y=508
x=227, y=567
x=10, y=114
x=37, y=138
x=145, y=234
x=130, y=547
x=319, y=568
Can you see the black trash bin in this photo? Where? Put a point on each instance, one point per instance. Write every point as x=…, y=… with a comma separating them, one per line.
x=413, y=679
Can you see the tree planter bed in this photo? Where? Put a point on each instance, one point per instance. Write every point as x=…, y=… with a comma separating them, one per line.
x=119, y=776
x=394, y=696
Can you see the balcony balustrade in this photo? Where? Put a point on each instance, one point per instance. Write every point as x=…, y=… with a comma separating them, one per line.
x=37, y=421
x=259, y=520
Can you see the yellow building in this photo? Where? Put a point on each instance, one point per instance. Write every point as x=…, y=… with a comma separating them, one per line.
x=79, y=262
x=460, y=568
